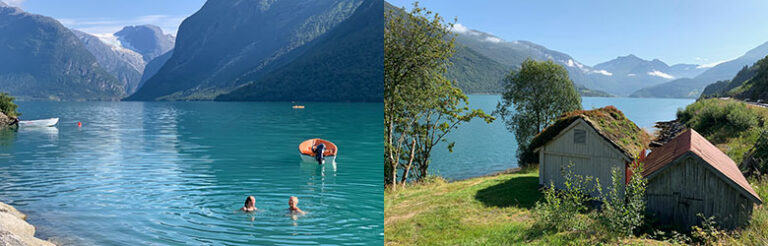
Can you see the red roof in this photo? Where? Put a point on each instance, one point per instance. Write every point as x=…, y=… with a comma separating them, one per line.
x=692, y=141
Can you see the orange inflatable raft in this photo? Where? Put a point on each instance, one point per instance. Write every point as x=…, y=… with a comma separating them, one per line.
x=308, y=147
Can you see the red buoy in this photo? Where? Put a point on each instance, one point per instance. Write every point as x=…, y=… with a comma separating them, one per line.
x=79, y=124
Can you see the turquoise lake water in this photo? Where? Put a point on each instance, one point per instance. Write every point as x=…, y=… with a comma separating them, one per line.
x=483, y=149
x=174, y=173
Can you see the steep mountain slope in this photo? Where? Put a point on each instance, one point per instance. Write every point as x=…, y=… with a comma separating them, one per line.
x=154, y=66
x=229, y=39
x=722, y=71
x=513, y=53
x=679, y=88
x=756, y=87
x=686, y=70
x=345, y=64
x=751, y=83
x=124, y=64
x=42, y=59
x=147, y=40
x=482, y=60
x=727, y=70
x=476, y=73
x=654, y=70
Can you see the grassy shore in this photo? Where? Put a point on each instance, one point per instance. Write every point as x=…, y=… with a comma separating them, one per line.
x=497, y=210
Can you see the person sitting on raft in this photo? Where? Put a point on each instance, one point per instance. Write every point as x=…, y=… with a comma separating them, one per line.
x=320, y=153
x=292, y=203
x=250, y=204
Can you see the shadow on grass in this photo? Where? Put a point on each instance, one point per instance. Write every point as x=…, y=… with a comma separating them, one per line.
x=521, y=192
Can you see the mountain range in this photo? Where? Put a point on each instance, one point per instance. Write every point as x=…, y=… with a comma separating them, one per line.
x=230, y=44
x=147, y=40
x=482, y=60
x=127, y=55
x=694, y=86
x=40, y=59
x=261, y=50
x=344, y=64
x=750, y=83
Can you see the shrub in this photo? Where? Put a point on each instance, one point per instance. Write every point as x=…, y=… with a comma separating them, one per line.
x=707, y=233
x=623, y=210
x=560, y=208
x=7, y=106
x=715, y=116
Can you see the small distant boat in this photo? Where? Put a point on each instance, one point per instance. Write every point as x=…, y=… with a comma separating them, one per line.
x=298, y=106
x=308, y=149
x=39, y=123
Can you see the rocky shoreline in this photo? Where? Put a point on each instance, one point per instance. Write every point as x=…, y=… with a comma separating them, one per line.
x=14, y=229
x=6, y=121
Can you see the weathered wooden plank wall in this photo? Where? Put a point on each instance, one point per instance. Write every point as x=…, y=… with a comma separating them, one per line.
x=688, y=187
x=596, y=157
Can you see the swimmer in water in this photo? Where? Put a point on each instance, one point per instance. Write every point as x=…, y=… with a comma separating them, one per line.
x=250, y=204
x=292, y=203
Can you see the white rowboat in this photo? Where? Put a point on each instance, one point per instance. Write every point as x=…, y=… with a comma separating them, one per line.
x=39, y=123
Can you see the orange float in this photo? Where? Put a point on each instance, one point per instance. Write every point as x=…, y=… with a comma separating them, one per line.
x=307, y=150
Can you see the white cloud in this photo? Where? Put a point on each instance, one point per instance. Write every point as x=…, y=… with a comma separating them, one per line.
x=631, y=75
x=661, y=74
x=493, y=39
x=709, y=65
x=603, y=72
x=102, y=26
x=459, y=28
x=14, y=3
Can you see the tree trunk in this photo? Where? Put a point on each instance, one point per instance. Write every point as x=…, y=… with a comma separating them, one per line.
x=408, y=166
x=394, y=176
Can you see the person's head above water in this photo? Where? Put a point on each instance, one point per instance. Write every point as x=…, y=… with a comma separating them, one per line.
x=293, y=202
x=250, y=204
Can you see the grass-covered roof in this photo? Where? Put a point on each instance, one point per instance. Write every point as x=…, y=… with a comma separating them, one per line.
x=609, y=122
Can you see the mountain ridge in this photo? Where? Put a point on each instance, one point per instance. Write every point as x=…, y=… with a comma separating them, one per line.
x=693, y=88
x=208, y=61
x=40, y=59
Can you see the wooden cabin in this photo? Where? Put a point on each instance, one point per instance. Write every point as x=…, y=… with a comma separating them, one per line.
x=688, y=175
x=595, y=141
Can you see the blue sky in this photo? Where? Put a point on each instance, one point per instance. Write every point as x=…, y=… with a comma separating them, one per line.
x=675, y=31
x=109, y=16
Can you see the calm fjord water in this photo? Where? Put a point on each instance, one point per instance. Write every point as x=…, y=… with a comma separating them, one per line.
x=175, y=173
x=483, y=149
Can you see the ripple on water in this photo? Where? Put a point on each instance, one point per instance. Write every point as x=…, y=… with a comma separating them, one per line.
x=176, y=173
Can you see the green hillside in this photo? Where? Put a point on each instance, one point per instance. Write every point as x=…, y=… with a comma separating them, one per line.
x=750, y=83
x=345, y=65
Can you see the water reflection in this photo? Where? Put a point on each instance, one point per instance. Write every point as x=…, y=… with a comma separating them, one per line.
x=7, y=136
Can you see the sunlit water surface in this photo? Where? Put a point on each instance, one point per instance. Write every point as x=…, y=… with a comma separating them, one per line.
x=174, y=173
x=483, y=149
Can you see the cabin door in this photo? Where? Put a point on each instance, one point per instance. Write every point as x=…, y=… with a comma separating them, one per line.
x=687, y=210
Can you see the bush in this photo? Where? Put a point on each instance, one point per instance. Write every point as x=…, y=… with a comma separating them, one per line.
x=7, y=106
x=721, y=117
x=561, y=208
x=707, y=233
x=623, y=210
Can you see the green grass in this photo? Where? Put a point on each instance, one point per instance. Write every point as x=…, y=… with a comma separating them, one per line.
x=492, y=210
x=497, y=210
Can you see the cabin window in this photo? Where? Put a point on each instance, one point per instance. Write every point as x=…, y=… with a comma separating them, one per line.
x=579, y=136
